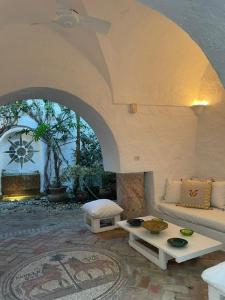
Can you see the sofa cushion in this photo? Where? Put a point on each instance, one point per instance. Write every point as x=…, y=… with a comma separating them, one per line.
x=173, y=190
x=218, y=194
x=195, y=193
x=214, y=218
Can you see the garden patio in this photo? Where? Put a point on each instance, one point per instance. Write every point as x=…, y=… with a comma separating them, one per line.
x=121, y=100
x=28, y=237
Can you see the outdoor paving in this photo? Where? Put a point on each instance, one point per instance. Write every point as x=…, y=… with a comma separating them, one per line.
x=30, y=235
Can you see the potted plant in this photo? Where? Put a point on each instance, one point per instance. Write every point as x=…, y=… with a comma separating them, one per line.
x=78, y=176
x=54, y=123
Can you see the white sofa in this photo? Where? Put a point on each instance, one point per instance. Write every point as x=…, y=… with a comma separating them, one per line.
x=208, y=222
x=215, y=277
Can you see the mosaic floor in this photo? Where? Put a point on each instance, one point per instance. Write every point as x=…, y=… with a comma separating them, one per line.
x=60, y=259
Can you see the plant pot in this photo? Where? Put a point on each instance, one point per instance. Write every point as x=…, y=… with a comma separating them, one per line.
x=57, y=194
x=57, y=190
x=81, y=197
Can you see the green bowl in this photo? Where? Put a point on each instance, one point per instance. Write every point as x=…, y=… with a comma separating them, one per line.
x=186, y=231
x=177, y=242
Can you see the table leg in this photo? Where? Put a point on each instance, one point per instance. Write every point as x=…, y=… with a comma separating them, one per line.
x=160, y=258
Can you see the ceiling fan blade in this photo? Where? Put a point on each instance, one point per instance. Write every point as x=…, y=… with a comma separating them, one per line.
x=71, y=4
x=95, y=24
x=26, y=11
x=39, y=23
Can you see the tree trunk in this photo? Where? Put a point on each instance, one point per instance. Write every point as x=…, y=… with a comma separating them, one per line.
x=56, y=167
x=48, y=152
x=78, y=150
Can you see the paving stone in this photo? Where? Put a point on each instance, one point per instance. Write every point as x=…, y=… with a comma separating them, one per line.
x=144, y=279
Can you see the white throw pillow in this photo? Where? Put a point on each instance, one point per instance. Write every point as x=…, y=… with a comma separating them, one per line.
x=102, y=208
x=218, y=194
x=173, y=191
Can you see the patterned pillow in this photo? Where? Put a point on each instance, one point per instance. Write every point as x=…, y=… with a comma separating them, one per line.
x=196, y=193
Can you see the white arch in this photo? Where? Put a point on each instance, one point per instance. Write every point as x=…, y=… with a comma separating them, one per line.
x=110, y=152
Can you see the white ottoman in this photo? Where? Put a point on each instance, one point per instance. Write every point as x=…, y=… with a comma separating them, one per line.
x=215, y=277
x=101, y=215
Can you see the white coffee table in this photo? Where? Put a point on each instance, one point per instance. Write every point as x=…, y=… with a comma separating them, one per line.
x=155, y=247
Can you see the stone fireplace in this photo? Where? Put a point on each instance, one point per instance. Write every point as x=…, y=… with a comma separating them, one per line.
x=131, y=194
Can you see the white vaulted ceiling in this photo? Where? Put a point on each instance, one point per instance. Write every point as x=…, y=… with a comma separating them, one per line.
x=144, y=58
x=203, y=20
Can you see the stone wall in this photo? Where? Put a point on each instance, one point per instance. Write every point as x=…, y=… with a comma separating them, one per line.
x=130, y=194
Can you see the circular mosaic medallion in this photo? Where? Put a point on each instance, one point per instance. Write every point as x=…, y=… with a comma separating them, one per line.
x=74, y=274
x=20, y=151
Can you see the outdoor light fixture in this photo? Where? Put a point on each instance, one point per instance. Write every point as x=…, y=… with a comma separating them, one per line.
x=199, y=106
x=133, y=108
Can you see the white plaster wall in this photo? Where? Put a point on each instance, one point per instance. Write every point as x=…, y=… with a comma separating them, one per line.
x=211, y=142
x=163, y=141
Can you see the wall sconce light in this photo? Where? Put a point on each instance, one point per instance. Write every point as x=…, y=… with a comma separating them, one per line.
x=133, y=108
x=199, y=107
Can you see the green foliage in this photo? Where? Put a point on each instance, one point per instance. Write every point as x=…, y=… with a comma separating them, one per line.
x=90, y=150
x=41, y=131
x=78, y=174
x=10, y=115
x=55, y=125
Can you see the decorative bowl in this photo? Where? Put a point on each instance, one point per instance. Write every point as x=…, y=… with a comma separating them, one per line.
x=177, y=242
x=135, y=222
x=186, y=231
x=155, y=225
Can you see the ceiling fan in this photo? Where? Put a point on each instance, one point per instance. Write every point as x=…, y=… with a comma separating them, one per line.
x=68, y=17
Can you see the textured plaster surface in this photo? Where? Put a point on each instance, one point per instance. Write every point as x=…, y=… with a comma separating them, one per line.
x=203, y=20
x=211, y=143
x=145, y=58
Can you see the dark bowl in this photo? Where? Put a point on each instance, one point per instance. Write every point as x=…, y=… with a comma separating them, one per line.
x=135, y=222
x=177, y=242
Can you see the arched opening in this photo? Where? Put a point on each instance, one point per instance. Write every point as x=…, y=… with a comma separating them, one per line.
x=110, y=153
x=48, y=144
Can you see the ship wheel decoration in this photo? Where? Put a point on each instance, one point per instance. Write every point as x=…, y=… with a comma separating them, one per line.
x=21, y=151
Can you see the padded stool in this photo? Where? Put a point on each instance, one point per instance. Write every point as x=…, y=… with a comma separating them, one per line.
x=215, y=277
x=101, y=215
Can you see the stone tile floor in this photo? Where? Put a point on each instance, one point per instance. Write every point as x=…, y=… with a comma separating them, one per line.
x=29, y=235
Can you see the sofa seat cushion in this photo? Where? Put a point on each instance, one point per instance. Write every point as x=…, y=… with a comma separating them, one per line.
x=213, y=218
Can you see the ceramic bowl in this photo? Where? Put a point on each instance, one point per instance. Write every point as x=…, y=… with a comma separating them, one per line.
x=186, y=231
x=135, y=222
x=155, y=225
x=177, y=242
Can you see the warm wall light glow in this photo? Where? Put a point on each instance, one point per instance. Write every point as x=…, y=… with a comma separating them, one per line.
x=199, y=106
x=17, y=197
x=200, y=103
